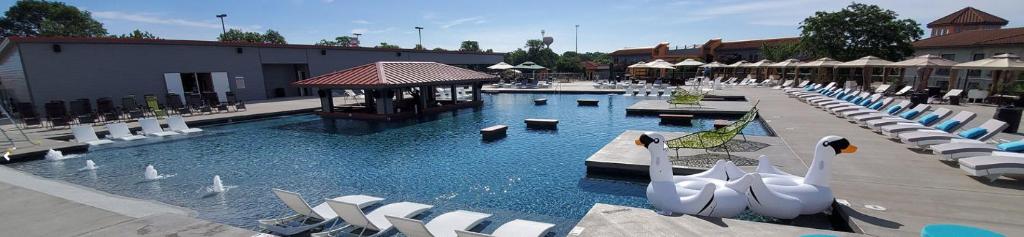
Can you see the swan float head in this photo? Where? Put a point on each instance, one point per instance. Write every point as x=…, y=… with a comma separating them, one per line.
x=824, y=151
x=660, y=168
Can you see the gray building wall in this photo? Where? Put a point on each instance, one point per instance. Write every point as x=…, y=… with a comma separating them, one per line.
x=95, y=70
x=12, y=77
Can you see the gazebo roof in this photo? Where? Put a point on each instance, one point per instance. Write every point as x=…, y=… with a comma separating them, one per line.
x=998, y=62
x=927, y=60
x=737, y=64
x=821, y=62
x=713, y=65
x=395, y=75
x=786, y=63
x=762, y=63
x=500, y=66
x=660, y=64
x=689, y=62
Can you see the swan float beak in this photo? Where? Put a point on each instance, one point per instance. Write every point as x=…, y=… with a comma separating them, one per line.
x=849, y=149
x=638, y=142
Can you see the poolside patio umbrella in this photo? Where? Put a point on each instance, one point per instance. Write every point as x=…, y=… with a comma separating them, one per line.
x=826, y=62
x=759, y=65
x=925, y=65
x=500, y=66
x=533, y=67
x=1004, y=64
x=689, y=62
x=866, y=64
x=788, y=63
x=661, y=65
x=735, y=66
x=635, y=67
x=712, y=65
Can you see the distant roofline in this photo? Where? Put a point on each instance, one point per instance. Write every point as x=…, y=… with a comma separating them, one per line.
x=973, y=44
x=766, y=39
x=106, y=40
x=999, y=21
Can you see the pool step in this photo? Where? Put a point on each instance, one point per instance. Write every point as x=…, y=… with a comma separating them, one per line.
x=586, y=102
x=679, y=119
x=541, y=101
x=494, y=132
x=542, y=123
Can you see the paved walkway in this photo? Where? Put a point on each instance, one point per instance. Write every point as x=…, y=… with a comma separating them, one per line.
x=916, y=189
x=610, y=220
x=34, y=206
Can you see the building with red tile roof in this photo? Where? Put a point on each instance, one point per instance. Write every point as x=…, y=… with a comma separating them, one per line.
x=965, y=19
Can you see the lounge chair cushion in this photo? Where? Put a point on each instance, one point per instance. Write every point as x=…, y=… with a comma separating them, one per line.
x=947, y=125
x=973, y=133
x=992, y=162
x=876, y=105
x=1012, y=146
x=928, y=119
x=909, y=114
x=893, y=109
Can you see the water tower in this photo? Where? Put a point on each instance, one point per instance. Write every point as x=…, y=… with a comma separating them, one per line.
x=546, y=39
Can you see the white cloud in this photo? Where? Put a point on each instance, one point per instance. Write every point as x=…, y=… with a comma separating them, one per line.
x=460, y=21
x=154, y=19
x=361, y=22
x=365, y=31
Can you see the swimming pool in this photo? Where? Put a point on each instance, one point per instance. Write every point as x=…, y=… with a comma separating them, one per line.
x=531, y=174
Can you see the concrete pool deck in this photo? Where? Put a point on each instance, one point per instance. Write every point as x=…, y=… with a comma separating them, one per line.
x=611, y=220
x=706, y=108
x=57, y=138
x=35, y=206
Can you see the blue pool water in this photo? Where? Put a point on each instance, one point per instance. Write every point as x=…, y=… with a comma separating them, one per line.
x=531, y=174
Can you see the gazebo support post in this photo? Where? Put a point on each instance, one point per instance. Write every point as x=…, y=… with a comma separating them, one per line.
x=326, y=100
x=455, y=96
x=476, y=91
x=422, y=102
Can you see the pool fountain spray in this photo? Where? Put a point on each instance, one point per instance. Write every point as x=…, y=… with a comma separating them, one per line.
x=89, y=165
x=218, y=186
x=151, y=173
x=54, y=155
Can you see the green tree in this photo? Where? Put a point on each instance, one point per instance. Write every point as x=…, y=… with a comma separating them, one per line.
x=136, y=34
x=516, y=57
x=343, y=41
x=43, y=18
x=236, y=35
x=489, y=51
x=781, y=51
x=569, y=62
x=419, y=47
x=859, y=30
x=439, y=49
x=273, y=37
x=537, y=53
x=598, y=57
x=469, y=45
x=385, y=45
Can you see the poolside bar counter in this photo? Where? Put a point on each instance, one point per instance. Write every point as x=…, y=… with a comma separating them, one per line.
x=398, y=90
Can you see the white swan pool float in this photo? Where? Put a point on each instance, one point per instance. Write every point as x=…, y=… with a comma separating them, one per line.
x=709, y=193
x=772, y=192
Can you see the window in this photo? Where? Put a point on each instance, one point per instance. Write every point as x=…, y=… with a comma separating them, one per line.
x=976, y=73
x=945, y=72
x=193, y=82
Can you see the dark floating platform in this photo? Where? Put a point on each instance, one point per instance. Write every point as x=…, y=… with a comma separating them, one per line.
x=541, y=101
x=542, y=123
x=586, y=102
x=494, y=132
x=678, y=119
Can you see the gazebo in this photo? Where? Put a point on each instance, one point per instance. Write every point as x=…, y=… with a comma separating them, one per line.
x=867, y=64
x=689, y=62
x=1004, y=67
x=757, y=66
x=712, y=66
x=398, y=90
x=821, y=63
x=788, y=63
x=925, y=65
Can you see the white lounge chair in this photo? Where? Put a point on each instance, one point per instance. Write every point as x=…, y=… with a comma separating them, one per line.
x=905, y=115
x=856, y=102
x=177, y=124
x=949, y=125
x=960, y=148
x=927, y=120
x=120, y=131
x=903, y=91
x=951, y=93
x=375, y=222
x=882, y=88
x=85, y=134
x=306, y=217
x=444, y=225
x=514, y=228
x=151, y=127
x=892, y=109
x=927, y=138
x=997, y=164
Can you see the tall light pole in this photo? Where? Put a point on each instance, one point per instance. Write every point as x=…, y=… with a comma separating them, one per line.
x=419, y=33
x=222, y=28
x=577, y=38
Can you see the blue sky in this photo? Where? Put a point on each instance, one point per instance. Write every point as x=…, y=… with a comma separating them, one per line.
x=502, y=25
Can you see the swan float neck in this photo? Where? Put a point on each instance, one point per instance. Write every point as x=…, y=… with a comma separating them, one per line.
x=660, y=168
x=820, y=172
